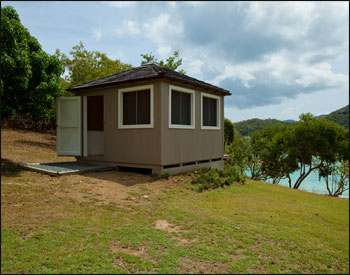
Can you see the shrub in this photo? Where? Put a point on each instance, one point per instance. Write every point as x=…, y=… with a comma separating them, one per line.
x=211, y=178
x=165, y=175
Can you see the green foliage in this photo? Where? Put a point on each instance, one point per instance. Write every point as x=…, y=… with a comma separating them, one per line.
x=211, y=178
x=305, y=117
x=170, y=63
x=247, y=127
x=336, y=176
x=239, y=151
x=165, y=175
x=229, y=132
x=307, y=145
x=340, y=117
x=270, y=147
x=85, y=66
x=29, y=76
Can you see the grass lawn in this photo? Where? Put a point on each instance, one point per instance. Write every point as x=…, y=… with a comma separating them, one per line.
x=122, y=222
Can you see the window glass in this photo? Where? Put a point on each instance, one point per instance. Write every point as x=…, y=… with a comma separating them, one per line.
x=129, y=108
x=175, y=107
x=136, y=108
x=143, y=107
x=180, y=108
x=185, y=109
x=209, y=111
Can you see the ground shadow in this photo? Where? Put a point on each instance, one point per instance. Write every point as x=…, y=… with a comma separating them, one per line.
x=36, y=144
x=127, y=177
x=10, y=168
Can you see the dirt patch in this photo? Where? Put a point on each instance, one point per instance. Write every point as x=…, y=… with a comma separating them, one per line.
x=116, y=247
x=166, y=226
x=31, y=199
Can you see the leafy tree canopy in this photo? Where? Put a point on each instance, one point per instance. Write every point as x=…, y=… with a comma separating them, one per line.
x=229, y=132
x=170, y=63
x=85, y=66
x=29, y=76
x=307, y=145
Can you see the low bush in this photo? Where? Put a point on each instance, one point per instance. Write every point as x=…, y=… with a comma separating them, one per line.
x=211, y=178
x=165, y=175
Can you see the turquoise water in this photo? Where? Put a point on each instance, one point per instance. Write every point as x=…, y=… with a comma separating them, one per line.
x=310, y=184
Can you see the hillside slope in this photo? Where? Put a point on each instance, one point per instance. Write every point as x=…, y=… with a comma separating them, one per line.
x=340, y=116
x=246, y=127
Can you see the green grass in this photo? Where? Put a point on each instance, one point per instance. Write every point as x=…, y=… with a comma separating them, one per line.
x=240, y=229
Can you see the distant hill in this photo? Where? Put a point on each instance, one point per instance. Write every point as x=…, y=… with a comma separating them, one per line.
x=244, y=127
x=340, y=116
x=247, y=127
x=289, y=121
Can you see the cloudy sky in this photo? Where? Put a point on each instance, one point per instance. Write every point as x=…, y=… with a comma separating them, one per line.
x=278, y=59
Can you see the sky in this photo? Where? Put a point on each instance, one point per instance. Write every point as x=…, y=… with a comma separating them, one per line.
x=278, y=59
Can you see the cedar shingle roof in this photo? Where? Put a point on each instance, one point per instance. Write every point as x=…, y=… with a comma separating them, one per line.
x=147, y=71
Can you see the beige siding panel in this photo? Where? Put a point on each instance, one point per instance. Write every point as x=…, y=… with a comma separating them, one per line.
x=187, y=145
x=138, y=146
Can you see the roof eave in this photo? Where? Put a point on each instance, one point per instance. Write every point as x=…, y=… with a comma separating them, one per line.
x=161, y=75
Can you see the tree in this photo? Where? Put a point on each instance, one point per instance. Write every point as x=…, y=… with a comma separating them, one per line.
x=228, y=131
x=271, y=151
x=170, y=63
x=29, y=76
x=238, y=152
x=336, y=176
x=314, y=142
x=307, y=145
x=85, y=66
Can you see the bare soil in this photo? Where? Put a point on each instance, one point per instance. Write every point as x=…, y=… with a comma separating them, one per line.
x=54, y=195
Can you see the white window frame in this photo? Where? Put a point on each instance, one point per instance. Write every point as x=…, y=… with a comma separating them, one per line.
x=193, y=99
x=120, y=107
x=218, y=111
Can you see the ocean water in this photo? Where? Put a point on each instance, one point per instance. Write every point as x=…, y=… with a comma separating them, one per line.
x=310, y=184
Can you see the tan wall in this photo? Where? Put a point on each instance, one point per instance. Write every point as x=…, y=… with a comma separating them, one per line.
x=141, y=146
x=186, y=145
x=158, y=146
x=138, y=146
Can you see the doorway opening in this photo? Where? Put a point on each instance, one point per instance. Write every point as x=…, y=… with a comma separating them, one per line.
x=95, y=138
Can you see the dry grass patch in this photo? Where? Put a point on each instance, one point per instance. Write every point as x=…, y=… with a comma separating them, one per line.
x=116, y=247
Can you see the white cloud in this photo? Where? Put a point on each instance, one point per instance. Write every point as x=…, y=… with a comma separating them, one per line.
x=265, y=52
x=96, y=34
x=128, y=27
x=162, y=30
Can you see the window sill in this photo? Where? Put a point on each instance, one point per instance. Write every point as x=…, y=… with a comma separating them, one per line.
x=140, y=126
x=176, y=126
x=210, y=128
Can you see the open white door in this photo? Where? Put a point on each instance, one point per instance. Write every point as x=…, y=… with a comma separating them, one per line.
x=68, y=110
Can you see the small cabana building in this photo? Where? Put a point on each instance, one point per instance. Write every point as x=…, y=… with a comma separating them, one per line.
x=147, y=117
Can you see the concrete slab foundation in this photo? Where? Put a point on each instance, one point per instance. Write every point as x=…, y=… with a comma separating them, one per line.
x=64, y=168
